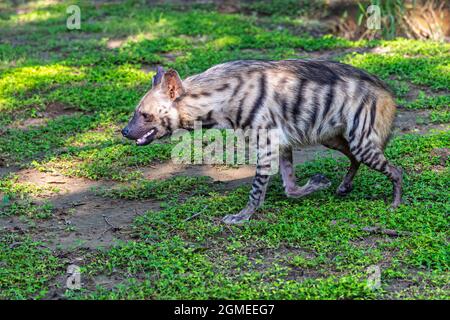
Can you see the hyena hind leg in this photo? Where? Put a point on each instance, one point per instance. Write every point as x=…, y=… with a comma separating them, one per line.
x=340, y=144
x=315, y=183
x=374, y=158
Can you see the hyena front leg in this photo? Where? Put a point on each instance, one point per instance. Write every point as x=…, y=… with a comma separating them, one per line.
x=258, y=192
x=340, y=144
x=315, y=183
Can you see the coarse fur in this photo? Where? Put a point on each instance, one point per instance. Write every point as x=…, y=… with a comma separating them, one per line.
x=305, y=101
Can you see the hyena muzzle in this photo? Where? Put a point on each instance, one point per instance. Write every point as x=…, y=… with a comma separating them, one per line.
x=305, y=101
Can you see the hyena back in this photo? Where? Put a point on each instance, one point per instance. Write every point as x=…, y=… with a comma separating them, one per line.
x=305, y=101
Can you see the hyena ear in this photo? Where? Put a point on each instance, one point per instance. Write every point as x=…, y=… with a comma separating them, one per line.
x=172, y=85
x=158, y=76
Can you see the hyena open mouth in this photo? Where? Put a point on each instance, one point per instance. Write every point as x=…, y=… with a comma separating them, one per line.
x=305, y=101
x=147, y=138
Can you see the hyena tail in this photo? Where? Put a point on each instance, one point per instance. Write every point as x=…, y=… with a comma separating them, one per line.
x=385, y=108
x=368, y=132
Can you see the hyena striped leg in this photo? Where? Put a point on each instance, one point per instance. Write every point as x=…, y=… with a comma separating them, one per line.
x=340, y=144
x=315, y=183
x=257, y=194
x=374, y=158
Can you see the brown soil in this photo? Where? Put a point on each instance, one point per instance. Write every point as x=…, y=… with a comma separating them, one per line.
x=52, y=111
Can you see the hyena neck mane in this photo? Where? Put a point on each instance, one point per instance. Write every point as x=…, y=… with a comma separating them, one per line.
x=202, y=102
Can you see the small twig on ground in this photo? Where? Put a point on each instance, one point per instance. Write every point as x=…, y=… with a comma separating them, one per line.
x=15, y=244
x=192, y=217
x=389, y=232
x=77, y=204
x=378, y=229
x=46, y=247
x=229, y=229
x=195, y=215
x=111, y=227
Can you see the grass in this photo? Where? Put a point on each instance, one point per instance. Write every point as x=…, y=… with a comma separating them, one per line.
x=27, y=267
x=17, y=199
x=311, y=248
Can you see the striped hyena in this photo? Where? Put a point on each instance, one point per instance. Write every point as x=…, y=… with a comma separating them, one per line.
x=305, y=101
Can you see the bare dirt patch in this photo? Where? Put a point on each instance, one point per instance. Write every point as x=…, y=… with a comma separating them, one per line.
x=115, y=43
x=217, y=173
x=80, y=218
x=5, y=170
x=444, y=156
x=415, y=90
x=409, y=121
x=52, y=111
x=442, y=153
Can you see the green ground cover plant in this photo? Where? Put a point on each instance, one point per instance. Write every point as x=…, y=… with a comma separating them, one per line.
x=64, y=95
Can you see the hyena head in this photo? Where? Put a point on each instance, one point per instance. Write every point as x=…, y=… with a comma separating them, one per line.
x=156, y=114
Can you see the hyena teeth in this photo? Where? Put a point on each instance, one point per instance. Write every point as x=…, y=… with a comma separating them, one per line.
x=305, y=101
x=144, y=137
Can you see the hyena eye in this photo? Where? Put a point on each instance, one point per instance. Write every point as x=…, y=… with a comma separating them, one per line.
x=148, y=117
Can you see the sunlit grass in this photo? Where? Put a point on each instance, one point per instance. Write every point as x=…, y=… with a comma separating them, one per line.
x=17, y=83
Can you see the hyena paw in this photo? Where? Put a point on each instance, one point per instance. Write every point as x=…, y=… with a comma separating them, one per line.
x=239, y=218
x=344, y=189
x=315, y=183
x=319, y=181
